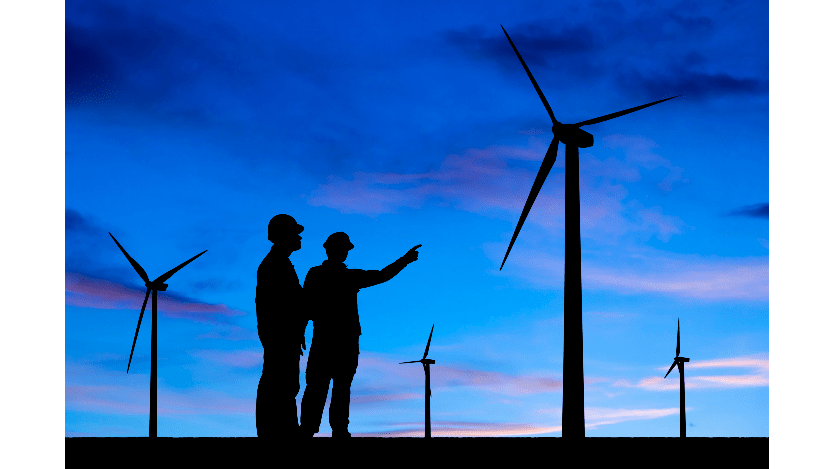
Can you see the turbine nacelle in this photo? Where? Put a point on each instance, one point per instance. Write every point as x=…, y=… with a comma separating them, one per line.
x=156, y=285
x=572, y=135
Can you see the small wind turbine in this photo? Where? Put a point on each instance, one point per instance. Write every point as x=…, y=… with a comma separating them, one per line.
x=679, y=361
x=426, y=363
x=573, y=391
x=155, y=286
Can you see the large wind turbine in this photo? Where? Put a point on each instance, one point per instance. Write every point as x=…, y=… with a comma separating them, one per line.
x=155, y=286
x=426, y=363
x=679, y=361
x=573, y=389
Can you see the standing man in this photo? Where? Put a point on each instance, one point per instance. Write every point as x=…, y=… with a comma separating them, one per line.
x=281, y=323
x=330, y=292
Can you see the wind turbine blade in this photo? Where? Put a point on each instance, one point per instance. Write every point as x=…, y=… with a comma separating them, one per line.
x=538, y=90
x=145, y=303
x=428, y=343
x=670, y=369
x=138, y=268
x=621, y=113
x=171, y=272
x=547, y=163
x=678, y=349
x=415, y=361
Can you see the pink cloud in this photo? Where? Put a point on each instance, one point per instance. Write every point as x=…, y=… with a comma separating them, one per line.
x=483, y=182
x=87, y=292
x=229, y=332
x=447, y=376
x=478, y=180
x=93, y=388
x=231, y=358
x=720, y=279
x=759, y=375
x=692, y=276
x=465, y=429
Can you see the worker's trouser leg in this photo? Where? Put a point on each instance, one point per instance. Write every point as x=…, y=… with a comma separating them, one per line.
x=315, y=395
x=276, y=414
x=340, y=398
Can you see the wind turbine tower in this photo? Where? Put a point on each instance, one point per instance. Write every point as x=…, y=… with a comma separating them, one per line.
x=426, y=363
x=574, y=138
x=155, y=286
x=679, y=361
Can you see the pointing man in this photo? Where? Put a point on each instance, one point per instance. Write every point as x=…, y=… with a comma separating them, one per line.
x=281, y=323
x=330, y=292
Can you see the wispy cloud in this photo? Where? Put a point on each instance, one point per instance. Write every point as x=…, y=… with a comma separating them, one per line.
x=489, y=182
x=646, y=271
x=451, y=376
x=87, y=292
x=719, y=279
x=759, y=376
x=231, y=358
x=93, y=388
x=598, y=416
x=465, y=429
x=229, y=332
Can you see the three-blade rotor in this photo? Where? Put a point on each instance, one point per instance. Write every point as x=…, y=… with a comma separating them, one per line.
x=426, y=353
x=552, y=150
x=426, y=362
x=158, y=284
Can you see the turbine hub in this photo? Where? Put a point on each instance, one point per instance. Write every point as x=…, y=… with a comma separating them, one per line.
x=158, y=286
x=570, y=134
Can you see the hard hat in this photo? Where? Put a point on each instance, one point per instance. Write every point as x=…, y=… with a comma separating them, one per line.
x=282, y=225
x=338, y=240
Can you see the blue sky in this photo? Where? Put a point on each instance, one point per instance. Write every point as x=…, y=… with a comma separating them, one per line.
x=187, y=129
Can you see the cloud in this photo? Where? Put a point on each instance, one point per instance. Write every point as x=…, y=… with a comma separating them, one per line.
x=719, y=279
x=489, y=182
x=476, y=180
x=598, y=416
x=376, y=367
x=540, y=45
x=759, y=375
x=464, y=429
x=677, y=50
x=87, y=292
x=124, y=400
x=754, y=211
x=647, y=271
x=229, y=332
x=231, y=358
x=690, y=83
x=85, y=241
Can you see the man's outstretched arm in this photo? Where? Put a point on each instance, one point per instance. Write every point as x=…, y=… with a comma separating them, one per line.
x=389, y=272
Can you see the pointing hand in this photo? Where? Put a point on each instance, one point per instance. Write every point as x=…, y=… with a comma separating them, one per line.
x=412, y=253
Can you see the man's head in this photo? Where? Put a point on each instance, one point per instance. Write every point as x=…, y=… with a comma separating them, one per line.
x=337, y=246
x=285, y=232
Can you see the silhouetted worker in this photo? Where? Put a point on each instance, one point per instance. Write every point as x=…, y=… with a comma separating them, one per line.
x=281, y=323
x=330, y=293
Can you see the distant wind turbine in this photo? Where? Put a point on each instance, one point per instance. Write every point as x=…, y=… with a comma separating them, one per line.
x=573, y=395
x=679, y=361
x=426, y=363
x=155, y=286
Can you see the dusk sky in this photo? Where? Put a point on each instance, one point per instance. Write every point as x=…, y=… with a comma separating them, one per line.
x=189, y=125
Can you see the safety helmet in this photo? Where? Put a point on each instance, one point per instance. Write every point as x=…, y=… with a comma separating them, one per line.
x=338, y=240
x=282, y=225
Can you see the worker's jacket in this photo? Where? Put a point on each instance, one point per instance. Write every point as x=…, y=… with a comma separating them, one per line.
x=330, y=292
x=279, y=305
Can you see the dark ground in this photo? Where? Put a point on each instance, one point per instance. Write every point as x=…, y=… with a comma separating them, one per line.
x=240, y=452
